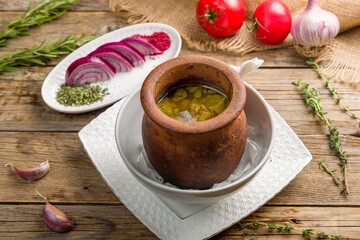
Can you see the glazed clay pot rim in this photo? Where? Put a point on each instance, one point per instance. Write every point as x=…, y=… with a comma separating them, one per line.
x=236, y=105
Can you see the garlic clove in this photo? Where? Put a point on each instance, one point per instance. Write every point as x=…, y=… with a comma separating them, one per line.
x=315, y=26
x=55, y=219
x=32, y=174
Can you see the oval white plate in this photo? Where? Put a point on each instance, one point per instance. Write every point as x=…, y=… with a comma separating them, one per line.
x=123, y=83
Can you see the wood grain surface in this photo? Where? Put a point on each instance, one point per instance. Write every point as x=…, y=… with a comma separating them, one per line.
x=31, y=132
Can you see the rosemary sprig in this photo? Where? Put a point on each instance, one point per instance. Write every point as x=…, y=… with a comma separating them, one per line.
x=346, y=108
x=279, y=227
x=38, y=54
x=312, y=98
x=45, y=11
x=330, y=172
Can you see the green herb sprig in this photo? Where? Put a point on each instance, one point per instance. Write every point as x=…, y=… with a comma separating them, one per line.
x=346, y=108
x=306, y=233
x=324, y=166
x=80, y=95
x=38, y=54
x=45, y=11
x=312, y=99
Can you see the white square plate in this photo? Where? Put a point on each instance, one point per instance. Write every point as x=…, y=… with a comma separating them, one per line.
x=288, y=158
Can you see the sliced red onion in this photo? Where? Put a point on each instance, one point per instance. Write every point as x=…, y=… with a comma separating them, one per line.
x=84, y=71
x=103, y=63
x=111, y=57
x=55, y=219
x=127, y=51
x=32, y=174
x=143, y=46
x=72, y=66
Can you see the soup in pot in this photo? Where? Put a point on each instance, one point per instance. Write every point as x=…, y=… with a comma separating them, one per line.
x=193, y=103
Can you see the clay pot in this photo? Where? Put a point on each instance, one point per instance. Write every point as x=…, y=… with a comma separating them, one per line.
x=194, y=155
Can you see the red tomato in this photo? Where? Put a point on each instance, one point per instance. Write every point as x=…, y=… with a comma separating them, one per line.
x=220, y=18
x=275, y=19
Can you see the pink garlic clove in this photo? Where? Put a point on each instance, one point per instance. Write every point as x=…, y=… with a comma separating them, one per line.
x=32, y=174
x=55, y=219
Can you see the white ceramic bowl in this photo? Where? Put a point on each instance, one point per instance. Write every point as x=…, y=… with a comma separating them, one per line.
x=260, y=132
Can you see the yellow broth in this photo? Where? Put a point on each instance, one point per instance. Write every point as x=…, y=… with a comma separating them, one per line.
x=193, y=103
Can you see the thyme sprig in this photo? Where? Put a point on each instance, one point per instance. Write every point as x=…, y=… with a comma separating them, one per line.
x=339, y=101
x=306, y=233
x=45, y=11
x=10, y=61
x=324, y=166
x=312, y=98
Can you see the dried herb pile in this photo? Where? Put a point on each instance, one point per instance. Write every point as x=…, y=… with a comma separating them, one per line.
x=80, y=95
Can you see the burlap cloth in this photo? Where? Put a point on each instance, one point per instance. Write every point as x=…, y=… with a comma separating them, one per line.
x=341, y=58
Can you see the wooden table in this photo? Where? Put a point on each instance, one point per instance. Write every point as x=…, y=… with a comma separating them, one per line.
x=30, y=132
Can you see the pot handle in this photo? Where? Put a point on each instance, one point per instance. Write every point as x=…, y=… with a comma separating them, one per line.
x=248, y=66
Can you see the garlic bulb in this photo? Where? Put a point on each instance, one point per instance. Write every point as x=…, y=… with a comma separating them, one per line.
x=315, y=26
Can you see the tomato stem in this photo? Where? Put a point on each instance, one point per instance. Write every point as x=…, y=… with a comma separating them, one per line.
x=258, y=23
x=254, y=25
x=211, y=16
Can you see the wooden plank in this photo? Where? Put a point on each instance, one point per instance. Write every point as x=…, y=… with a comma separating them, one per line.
x=82, y=6
x=116, y=222
x=73, y=178
x=313, y=183
x=90, y=222
x=334, y=221
x=22, y=108
x=285, y=57
x=102, y=22
x=74, y=23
